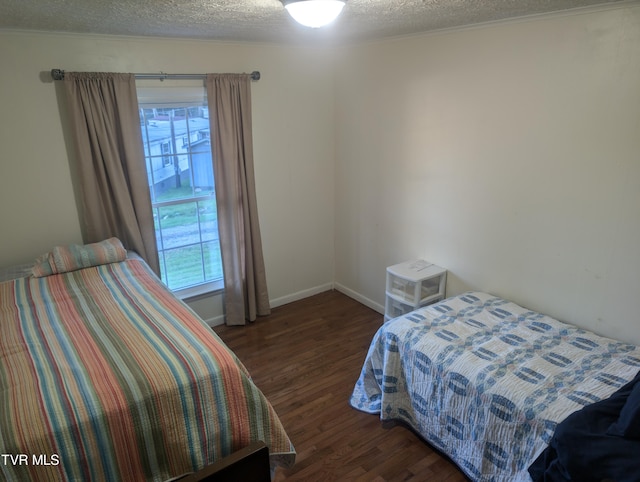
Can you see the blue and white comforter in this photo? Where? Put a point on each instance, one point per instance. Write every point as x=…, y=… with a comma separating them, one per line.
x=486, y=381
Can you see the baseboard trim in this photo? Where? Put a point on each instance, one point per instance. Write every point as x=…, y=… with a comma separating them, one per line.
x=300, y=295
x=358, y=297
x=215, y=321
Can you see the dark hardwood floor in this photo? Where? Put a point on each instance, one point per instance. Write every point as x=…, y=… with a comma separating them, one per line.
x=306, y=357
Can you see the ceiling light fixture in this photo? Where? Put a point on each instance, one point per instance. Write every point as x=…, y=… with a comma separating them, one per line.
x=314, y=13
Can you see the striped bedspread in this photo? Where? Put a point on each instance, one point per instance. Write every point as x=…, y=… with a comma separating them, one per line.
x=105, y=375
x=486, y=381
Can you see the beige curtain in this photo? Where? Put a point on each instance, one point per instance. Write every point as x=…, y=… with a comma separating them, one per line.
x=112, y=173
x=246, y=296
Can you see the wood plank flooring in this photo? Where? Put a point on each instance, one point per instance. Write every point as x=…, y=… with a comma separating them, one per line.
x=306, y=357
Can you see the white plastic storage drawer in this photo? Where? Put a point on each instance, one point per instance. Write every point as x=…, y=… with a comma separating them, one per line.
x=397, y=308
x=430, y=287
x=402, y=288
x=406, y=289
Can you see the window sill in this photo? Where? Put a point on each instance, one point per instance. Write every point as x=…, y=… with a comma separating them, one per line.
x=198, y=291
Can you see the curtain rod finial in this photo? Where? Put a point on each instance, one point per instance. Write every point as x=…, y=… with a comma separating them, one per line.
x=255, y=75
x=57, y=74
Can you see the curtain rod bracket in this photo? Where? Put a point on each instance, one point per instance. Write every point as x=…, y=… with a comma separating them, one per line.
x=58, y=74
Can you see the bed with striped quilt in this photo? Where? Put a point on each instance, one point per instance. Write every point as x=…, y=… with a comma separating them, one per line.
x=105, y=375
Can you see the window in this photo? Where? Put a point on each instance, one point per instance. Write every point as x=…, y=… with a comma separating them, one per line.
x=166, y=153
x=177, y=149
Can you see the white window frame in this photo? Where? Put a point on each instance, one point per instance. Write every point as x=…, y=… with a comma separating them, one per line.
x=178, y=94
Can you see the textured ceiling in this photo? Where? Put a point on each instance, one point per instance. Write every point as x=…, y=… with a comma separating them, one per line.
x=264, y=20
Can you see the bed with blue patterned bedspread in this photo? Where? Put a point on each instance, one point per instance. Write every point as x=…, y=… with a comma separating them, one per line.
x=486, y=381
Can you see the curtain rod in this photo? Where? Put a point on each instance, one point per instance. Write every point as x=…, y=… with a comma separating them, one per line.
x=58, y=74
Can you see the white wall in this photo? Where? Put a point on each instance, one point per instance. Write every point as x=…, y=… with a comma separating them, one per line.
x=293, y=145
x=508, y=153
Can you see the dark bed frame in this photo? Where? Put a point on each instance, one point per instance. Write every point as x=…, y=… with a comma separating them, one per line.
x=250, y=464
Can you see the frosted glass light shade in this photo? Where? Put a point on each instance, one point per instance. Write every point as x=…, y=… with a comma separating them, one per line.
x=314, y=13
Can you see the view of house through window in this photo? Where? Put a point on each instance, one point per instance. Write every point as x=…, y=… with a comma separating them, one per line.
x=177, y=150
